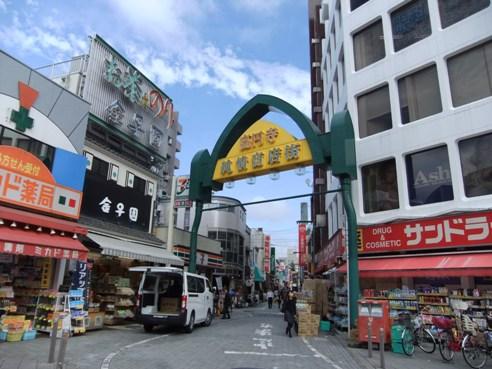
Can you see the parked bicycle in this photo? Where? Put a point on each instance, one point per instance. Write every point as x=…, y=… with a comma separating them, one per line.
x=477, y=348
x=417, y=334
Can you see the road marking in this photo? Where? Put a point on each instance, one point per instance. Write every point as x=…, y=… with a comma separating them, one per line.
x=107, y=360
x=320, y=355
x=266, y=354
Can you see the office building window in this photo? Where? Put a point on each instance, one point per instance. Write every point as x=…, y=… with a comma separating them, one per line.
x=452, y=11
x=100, y=168
x=380, y=186
x=419, y=95
x=369, y=45
x=429, y=176
x=470, y=74
x=354, y=4
x=410, y=24
x=476, y=165
x=374, y=112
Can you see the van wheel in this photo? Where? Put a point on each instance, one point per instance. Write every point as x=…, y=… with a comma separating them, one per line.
x=208, y=320
x=148, y=328
x=189, y=327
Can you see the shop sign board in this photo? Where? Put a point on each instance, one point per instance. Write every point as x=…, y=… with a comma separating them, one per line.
x=267, y=254
x=110, y=202
x=464, y=230
x=123, y=97
x=182, y=192
x=202, y=258
x=41, y=251
x=302, y=244
x=327, y=257
x=272, y=260
x=25, y=181
x=263, y=148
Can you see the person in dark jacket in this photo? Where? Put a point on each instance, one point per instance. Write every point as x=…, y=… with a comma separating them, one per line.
x=290, y=313
x=227, y=305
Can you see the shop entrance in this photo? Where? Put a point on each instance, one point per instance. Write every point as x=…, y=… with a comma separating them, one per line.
x=238, y=154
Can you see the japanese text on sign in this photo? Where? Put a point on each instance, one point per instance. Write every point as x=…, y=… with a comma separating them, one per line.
x=465, y=230
x=41, y=251
x=119, y=210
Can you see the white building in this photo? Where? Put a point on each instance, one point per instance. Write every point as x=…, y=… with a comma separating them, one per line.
x=415, y=77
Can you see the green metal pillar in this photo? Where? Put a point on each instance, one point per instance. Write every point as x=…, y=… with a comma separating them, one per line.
x=194, y=236
x=353, y=262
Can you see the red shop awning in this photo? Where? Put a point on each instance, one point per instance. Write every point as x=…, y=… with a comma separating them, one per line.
x=473, y=265
x=29, y=242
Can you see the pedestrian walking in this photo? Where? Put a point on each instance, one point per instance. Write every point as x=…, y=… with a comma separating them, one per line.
x=284, y=293
x=290, y=312
x=276, y=297
x=227, y=305
x=270, y=298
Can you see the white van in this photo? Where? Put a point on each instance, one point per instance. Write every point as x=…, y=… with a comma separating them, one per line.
x=172, y=297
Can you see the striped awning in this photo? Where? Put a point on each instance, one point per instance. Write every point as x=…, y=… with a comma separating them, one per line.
x=123, y=248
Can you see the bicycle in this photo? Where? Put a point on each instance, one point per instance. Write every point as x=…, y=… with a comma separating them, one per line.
x=476, y=346
x=416, y=334
x=449, y=337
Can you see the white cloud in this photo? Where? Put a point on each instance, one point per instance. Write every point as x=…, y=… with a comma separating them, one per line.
x=3, y=6
x=259, y=7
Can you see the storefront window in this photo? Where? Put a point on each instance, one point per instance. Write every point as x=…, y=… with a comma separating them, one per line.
x=380, y=186
x=429, y=177
x=419, y=95
x=452, y=11
x=374, y=111
x=476, y=165
x=410, y=24
x=369, y=45
x=100, y=168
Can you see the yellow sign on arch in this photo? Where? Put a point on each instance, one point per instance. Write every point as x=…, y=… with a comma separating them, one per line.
x=265, y=147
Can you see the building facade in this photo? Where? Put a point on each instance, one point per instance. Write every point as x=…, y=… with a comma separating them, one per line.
x=414, y=76
x=227, y=226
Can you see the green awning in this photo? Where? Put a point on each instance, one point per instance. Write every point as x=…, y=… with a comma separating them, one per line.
x=258, y=275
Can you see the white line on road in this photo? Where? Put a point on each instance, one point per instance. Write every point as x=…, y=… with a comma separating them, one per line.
x=107, y=360
x=265, y=354
x=318, y=354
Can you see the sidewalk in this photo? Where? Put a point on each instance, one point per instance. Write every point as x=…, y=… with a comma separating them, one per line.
x=337, y=346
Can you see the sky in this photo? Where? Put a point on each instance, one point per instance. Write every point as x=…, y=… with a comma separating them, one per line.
x=209, y=56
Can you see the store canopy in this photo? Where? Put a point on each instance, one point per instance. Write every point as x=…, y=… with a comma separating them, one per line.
x=473, y=265
x=32, y=243
x=133, y=250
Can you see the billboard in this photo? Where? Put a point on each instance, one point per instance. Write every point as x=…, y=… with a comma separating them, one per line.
x=267, y=254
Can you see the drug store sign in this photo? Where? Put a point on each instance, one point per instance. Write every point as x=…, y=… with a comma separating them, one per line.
x=25, y=181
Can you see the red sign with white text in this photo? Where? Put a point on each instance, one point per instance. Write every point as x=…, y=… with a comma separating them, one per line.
x=267, y=254
x=41, y=251
x=464, y=230
x=327, y=257
x=302, y=244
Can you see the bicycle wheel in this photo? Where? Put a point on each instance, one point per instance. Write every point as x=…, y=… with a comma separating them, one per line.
x=445, y=345
x=425, y=340
x=474, y=353
x=407, y=340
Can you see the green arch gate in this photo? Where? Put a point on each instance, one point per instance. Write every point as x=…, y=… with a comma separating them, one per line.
x=241, y=153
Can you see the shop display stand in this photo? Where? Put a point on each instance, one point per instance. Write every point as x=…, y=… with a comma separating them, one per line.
x=341, y=310
x=49, y=305
x=124, y=304
x=77, y=312
x=7, y=302
x=403, y=300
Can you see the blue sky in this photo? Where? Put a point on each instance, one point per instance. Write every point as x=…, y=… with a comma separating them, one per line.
x=209, y=56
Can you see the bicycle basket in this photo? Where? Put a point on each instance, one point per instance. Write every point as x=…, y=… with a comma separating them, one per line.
x=443, y=322
x=469, y=325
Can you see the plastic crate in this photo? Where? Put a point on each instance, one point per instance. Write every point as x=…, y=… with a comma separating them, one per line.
x=3, y=336
x=325, y=326
x=396, y=333
x=29, y=335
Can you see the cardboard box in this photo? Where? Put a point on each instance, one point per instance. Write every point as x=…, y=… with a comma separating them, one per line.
x=169, y=305
x=94, y=321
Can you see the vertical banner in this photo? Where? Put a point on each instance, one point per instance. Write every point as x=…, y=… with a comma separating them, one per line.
x=267, y=254
x=272, y=260
x=302, y=244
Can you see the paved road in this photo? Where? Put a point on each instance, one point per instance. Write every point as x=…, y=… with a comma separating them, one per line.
x=253, y=339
